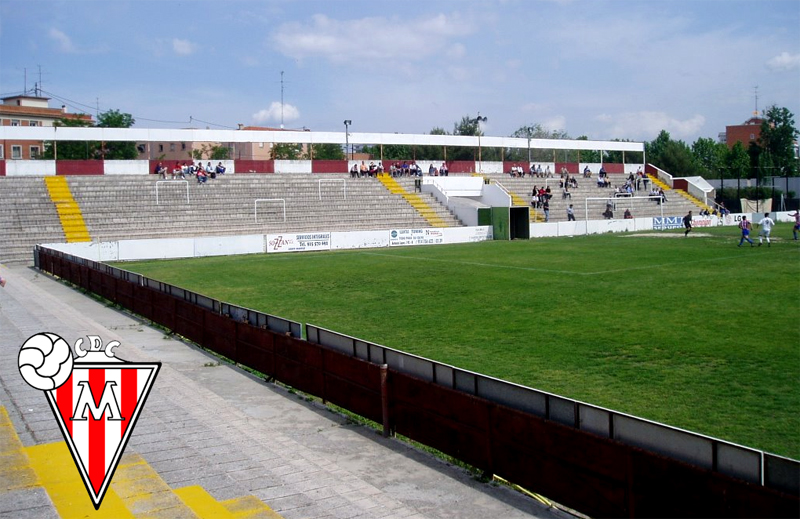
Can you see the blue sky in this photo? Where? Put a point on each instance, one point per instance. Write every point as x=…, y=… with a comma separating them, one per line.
x=605, y=69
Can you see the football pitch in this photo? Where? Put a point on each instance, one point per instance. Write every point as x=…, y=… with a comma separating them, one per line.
x=692, y=332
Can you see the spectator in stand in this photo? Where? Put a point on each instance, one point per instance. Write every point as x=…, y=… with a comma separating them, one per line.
x=546, y=209
x=565, y=193
x=432, y=171
x=539, y=170
x=201, y=175
x=587, y=173
x=220, y=169
x=628, y=215
x=570, y=214
x=354, y=171
x=443, y=171
x=161, y=171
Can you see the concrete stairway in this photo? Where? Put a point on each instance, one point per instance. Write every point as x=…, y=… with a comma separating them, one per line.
x=27, y=217
x=136, y=489
x=125, y=207
x=587, y=188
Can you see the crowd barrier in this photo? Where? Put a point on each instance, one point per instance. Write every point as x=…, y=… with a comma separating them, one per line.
x=595, y=460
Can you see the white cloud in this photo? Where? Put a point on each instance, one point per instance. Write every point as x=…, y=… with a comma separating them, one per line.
x=64, y=42
x=556, y=122
x=647, y=125
x=273, y=113
x=372, y=39
x=784, y=61
x=183, y=47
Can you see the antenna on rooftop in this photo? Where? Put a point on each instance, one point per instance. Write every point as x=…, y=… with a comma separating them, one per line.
x=755, y=112
x=281, y=100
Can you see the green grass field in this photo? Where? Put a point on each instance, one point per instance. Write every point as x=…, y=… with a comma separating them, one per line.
x=695, y=332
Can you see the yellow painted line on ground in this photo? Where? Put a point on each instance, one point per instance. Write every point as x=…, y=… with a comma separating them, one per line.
x=15, y=470
x=202, y=503
x=250, y=507
x=68, y=210
x=56, y=472
x=145, y=493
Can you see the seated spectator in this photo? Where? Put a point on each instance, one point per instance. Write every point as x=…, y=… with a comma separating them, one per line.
x=628, y=215
x=566, y=194
x=587, y=173
x=354, y=171
x=161, y=171
x=176, y=171
x=201, y=175
x=608, y=214
x=220, y=169
x=601, y=182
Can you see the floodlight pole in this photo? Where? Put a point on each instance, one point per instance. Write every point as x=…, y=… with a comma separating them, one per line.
x=347, y=123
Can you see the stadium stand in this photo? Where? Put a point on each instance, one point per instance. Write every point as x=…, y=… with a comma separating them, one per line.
x=125, y=207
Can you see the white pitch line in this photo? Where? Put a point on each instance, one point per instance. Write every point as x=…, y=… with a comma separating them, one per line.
x=475, y=264
x=583, y=273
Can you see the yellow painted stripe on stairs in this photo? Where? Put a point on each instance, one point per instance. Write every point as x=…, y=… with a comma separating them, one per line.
x=202, y=503
x=414, y=200
x=684, y=194
x=68, y=211
x=250, y=507
x=145, y=493
x=56, y=472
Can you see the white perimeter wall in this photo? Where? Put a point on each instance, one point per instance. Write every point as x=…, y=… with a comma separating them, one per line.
x=173, y=248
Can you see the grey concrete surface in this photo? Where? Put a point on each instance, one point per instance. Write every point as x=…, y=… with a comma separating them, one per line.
x=217, y=426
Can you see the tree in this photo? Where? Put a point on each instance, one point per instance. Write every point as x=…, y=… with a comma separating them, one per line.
x=710, y=156
x=777, y=141
x=70, y=150
x=432, y=152
x=534, y=131
x=117, y=150
x=287, y=151
x=328, y=151
x=737, y=162
x=674, y=157
x=211, y=151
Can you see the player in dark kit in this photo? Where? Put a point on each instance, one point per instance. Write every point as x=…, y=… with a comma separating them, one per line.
x=687, y=222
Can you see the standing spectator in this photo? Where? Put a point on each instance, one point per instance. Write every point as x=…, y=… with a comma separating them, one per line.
x=687, y=222
x=546, y=209
x=570, y=214
x=766, y=224
x=744, y=225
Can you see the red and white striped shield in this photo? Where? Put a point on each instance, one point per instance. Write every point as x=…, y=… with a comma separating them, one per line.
x=96, y=409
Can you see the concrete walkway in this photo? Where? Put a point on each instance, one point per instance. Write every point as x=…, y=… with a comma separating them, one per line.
x=215, y=430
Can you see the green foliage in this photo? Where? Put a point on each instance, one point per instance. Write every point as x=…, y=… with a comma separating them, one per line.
x=287, y=151
x=737, y=162
x=70, y=150
x=672, y=156
x=778, y=137
x=710, y=156
x=327, y=151
x=211, y=151
x=569, y=316
x=116, y=150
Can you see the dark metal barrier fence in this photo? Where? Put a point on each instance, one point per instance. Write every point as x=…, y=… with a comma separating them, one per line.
x=597, y=461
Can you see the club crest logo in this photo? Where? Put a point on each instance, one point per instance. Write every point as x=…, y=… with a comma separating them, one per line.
x=96, y=399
